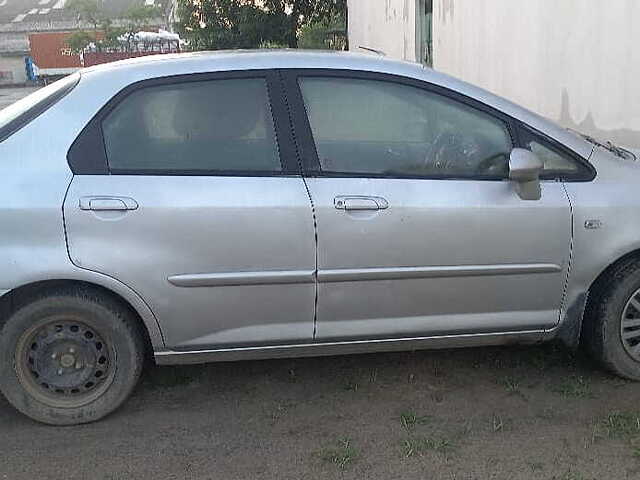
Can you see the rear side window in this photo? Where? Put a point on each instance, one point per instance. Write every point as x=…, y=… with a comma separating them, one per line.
x=198, y=126
x=20, y=113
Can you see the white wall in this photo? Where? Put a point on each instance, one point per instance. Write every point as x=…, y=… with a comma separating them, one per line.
x=573, y=61
x=386, y=25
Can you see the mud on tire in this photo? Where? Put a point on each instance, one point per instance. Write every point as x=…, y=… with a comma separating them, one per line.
x=610, y=315
x=69, y=357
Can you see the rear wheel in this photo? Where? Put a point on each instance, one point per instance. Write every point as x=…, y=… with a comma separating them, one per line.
x=70, y=357
x=612, y=321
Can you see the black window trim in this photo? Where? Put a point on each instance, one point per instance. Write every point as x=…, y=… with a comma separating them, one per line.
x=306, y=144
x=87, y=155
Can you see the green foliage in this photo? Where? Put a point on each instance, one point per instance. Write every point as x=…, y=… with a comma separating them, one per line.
x=420, y=445
x=135, y=19
x=410, y=419
x=327, y=34
x=78, y=41
x=139, y=16
x=105, y=35
x=622, y=424
x=223, y=24
x=297, y=14
x=89, y=11
x=341, y=455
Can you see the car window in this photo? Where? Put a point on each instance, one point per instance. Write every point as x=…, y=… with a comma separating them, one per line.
x=554, y=161
x=208, y=126
x=375, y=127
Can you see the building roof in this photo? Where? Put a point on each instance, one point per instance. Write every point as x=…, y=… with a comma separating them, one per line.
x=19, y=18
x=36, y=15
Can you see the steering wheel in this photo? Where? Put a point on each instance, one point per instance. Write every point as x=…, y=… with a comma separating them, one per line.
x=493, y=164
x=446, y=150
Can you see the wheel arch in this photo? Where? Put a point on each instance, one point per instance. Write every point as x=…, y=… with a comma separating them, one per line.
x=22, y=294
x=631, y=256
x=570, y=331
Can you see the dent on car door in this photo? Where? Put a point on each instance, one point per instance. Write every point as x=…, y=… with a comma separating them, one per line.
x=198, y=206
x=419, y=230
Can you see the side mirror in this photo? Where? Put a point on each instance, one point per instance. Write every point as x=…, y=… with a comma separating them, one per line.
x=524, y=169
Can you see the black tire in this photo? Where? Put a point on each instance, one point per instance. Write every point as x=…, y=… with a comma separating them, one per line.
x=601, y=333
x=98, y=330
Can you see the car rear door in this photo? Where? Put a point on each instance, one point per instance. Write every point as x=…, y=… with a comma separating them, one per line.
x=419, y=231
x=187, y=189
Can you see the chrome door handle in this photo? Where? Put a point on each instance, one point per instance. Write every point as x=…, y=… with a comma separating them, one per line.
x=359, y=202
x=104, y=204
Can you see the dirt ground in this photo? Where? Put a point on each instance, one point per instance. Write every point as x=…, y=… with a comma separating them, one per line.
x=492, y=413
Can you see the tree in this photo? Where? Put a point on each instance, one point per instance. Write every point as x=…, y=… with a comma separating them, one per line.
x=220, y=24
x=80, y=40
x=327, y=34
x=134, y=19
x=216, y=24
x=88, y=11
x=296, y=14
x=104, y=34
x=137, y=17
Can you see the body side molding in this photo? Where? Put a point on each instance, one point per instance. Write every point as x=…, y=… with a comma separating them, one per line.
x=355, y=274
x=242, y=278
x=227, y=279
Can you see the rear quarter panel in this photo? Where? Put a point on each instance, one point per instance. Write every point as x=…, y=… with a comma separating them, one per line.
x=34, y=178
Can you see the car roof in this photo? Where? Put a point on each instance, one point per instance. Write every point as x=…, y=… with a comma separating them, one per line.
x=264, y=58
x=154, y=66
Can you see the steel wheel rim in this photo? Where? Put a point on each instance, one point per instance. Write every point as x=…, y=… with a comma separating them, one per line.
x=630, y=326
x=64, y=363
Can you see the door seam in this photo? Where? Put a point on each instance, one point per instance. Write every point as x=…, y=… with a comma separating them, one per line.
x=565, y=290
x=294, y=137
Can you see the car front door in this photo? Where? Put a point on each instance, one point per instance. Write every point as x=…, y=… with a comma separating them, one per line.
x=187, y=189
x=419, y=231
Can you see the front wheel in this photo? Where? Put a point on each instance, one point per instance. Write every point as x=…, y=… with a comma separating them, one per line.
x=612, y=321
x=70, y=357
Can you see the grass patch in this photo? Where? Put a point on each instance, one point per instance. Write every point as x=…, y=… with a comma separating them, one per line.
x=571, y=475
x=622, y=424
x=511, y=385
x=341, y=455
x=420, y=445
x=497, y=423
x=409, y=420
x=574, y=387
x=351, y=386
x=535, y=466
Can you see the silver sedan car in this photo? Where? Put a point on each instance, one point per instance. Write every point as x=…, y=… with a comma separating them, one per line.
x=246, y=205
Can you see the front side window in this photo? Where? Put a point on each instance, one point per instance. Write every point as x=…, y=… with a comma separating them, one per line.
x=371, y=127
x=199, y=126
x=556, y=163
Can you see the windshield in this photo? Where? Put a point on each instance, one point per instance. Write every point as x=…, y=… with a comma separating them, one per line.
x=18, y=114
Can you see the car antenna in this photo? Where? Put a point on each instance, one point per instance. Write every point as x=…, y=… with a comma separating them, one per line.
x=379, y=52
